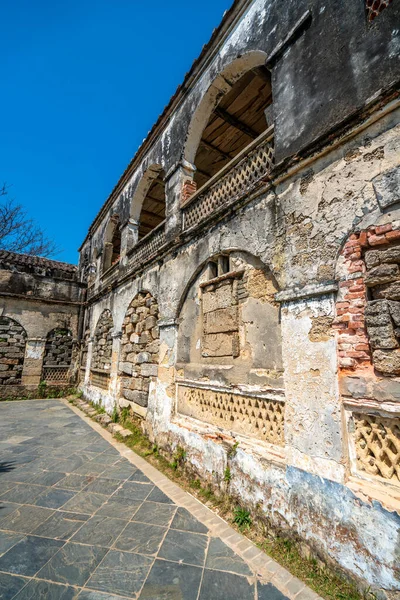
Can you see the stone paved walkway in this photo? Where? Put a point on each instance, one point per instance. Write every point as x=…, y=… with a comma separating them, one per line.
x=79, y=521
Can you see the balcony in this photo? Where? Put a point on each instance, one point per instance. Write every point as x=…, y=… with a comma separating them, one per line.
x=147, y=248
x=239, y=178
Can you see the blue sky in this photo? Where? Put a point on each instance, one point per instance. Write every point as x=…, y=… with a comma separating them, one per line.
x=82, y=83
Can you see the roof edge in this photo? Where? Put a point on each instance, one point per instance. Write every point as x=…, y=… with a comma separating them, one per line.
x=228, y=21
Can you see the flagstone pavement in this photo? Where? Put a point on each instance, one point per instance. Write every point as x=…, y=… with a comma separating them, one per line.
x=80, y=521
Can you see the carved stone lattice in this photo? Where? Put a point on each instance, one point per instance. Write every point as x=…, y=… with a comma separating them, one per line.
x=99, y=379
x=377, y=442
x=234, y=184
x=374, y=7
x=55, y=374
x=147, y=248
x=255, y=417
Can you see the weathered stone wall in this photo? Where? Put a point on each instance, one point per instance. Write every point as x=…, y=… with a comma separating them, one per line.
x=58, y=349
x=42, y=296
x=273, y=354
x=287, y=242
x=12, y=351
x=139, y=350
x=102, y=343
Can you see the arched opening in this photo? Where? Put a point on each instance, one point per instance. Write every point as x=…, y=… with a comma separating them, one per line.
x=112, y=243
x=12, y=351
x=139, y=350
x=57, y=356
x=152, y=211
x=235, y=110
x=230, y=334
x=102, y=351
x=237, y=120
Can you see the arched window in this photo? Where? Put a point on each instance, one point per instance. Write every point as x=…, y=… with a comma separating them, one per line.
x=148, y=203
x=238, y=118
x=112, y=243
x=57, y=356
x=12, y=351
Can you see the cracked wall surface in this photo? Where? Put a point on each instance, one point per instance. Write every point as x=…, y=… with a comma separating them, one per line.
x=276, y=287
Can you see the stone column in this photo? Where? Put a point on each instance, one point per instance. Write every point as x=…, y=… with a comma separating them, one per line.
x=175, y=180
x=114, y=379
x=162, y=396
x=313, y=412
x=129, y=238
x=89, y=361
x=33, y=361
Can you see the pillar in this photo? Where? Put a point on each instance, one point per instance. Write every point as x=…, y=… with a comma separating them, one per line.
x=33, y=361
x=176, y=179
x=313, y=412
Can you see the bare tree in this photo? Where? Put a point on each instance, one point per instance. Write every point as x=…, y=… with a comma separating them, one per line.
x=19, y=233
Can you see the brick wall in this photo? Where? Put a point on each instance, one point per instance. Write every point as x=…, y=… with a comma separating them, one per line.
x=359, y=291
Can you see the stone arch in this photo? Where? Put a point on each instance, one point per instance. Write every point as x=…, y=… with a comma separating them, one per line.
x=205, y=259
x=57, y=355
x=12, y=351
x=139, y=350
x=221, y=143
x=228, y=316
x=148, y=202
x=102, y=350
x=112, y=242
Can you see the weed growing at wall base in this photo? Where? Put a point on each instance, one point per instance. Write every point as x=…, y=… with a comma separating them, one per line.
x=287, y=552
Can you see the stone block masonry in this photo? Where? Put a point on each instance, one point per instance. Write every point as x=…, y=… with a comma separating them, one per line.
x=12, y=351
x=139, y=350
x=102, y=343
x=368, y=308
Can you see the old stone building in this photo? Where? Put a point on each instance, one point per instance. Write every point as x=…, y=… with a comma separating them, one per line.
x=243, y=278
x=40, y=301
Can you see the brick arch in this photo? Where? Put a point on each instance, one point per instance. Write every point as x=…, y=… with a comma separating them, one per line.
x=12, y=351
x=139, y=350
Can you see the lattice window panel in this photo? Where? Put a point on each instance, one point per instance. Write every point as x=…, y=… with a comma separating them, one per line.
x=255, y=417
x=55, y=374
x=100, y=380
x=235, y=184
x=375, y=7
x=149, y=247
x=377, y=445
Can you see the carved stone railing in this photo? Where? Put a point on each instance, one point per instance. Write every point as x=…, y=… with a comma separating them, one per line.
x=57, y=374
x=148, y=247
x=377, y=446
x=254, y=416
x=234, y=181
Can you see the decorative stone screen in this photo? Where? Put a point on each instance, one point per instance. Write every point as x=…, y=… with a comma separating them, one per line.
x=12, y=351
x=235, y=181
x=253, y=416
x=102, y=350
x=377, y=446
x=375, y=7
x=57, y=356
x=139, y=348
